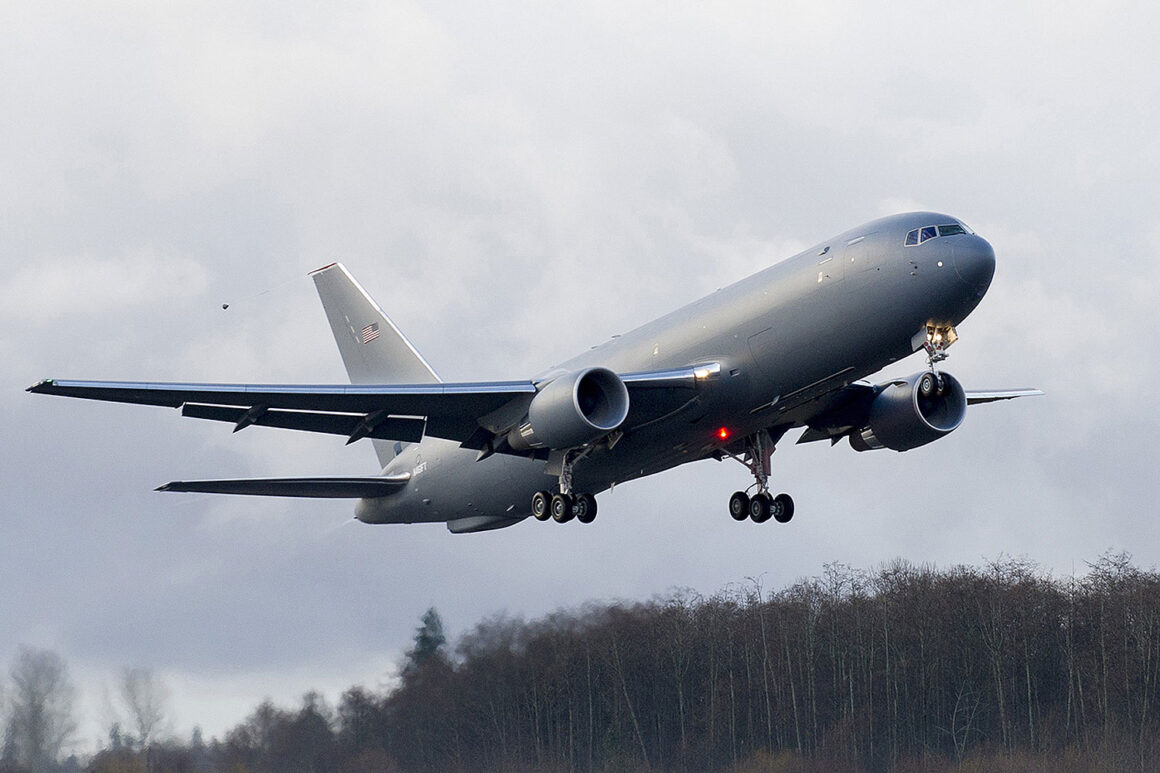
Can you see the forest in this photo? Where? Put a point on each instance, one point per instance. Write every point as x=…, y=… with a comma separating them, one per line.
x=902, y=668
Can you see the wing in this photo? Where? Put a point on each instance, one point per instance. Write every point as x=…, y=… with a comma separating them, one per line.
x=323, y=488
x=977, y=397
x=846, y=409
x=404, y=412
x=357, y=410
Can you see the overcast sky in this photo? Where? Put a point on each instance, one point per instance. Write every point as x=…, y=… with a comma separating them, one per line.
x=514, y=186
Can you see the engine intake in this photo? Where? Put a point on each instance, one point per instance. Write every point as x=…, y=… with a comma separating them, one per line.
x=912, y=412
x=572, y=410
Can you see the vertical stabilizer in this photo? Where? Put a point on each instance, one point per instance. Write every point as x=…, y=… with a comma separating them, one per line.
x=373, y=350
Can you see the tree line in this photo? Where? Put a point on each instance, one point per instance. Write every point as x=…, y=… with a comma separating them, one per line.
x=902, y=668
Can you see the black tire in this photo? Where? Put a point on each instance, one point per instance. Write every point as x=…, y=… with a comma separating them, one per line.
x=783, y=508
x=927, y=384
x=759, y=506
x=541, y=501
x=739, y=506
x=561, y=508
x=584, y=508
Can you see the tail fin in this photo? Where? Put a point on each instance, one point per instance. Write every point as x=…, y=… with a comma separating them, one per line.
x=373, y=350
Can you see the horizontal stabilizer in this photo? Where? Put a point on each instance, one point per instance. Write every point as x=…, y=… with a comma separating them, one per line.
x=976, y=397
x=320, y=488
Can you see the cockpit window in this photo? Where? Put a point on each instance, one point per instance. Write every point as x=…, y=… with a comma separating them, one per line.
x=920, y=235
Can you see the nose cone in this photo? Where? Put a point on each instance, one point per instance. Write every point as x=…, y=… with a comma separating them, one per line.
x=975, y=263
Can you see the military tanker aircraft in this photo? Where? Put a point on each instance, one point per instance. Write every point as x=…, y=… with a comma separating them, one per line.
x=726, y=377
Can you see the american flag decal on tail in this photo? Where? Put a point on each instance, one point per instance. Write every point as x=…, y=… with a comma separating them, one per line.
x=370, y=332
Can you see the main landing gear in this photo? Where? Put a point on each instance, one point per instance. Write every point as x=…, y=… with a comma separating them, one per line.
x=566, y=505
x=562, y=508
x=760, y=506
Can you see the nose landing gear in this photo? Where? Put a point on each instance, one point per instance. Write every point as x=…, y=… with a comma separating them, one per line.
x=760, y=506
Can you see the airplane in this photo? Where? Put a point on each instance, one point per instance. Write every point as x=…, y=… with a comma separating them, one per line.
x=725, y=377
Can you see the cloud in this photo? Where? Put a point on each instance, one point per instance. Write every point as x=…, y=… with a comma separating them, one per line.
x=514, y=185
x=46, y=291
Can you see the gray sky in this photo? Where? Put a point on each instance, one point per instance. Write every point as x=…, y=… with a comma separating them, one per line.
x=513, y=186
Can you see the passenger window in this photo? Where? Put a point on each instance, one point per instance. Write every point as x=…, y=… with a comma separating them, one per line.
x=951, y=230
x=928, y=232
x=912, y=238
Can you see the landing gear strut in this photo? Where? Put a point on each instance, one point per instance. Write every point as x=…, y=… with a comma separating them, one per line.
x=759, y=507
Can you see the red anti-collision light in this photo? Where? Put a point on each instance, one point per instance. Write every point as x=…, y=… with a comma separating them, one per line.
x=723, y=433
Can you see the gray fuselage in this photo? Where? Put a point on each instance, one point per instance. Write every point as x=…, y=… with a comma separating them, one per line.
x=784, y=339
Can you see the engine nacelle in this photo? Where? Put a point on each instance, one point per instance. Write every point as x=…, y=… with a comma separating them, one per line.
x=912, y=412
x=572, y=410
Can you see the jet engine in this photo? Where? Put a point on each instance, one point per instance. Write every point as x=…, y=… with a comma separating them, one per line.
x=571, y=410
x=912, y=412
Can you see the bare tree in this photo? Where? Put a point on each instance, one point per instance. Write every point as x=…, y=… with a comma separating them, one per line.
x=145, y=697
x=41, y=720
x=908, y=668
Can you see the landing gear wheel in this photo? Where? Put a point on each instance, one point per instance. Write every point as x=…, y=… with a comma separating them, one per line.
x=927, y=385
x=739, y=506
x=540, y=503
x=561, y=508
x=782, y=508
x=584, y=508
x=759, y=507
